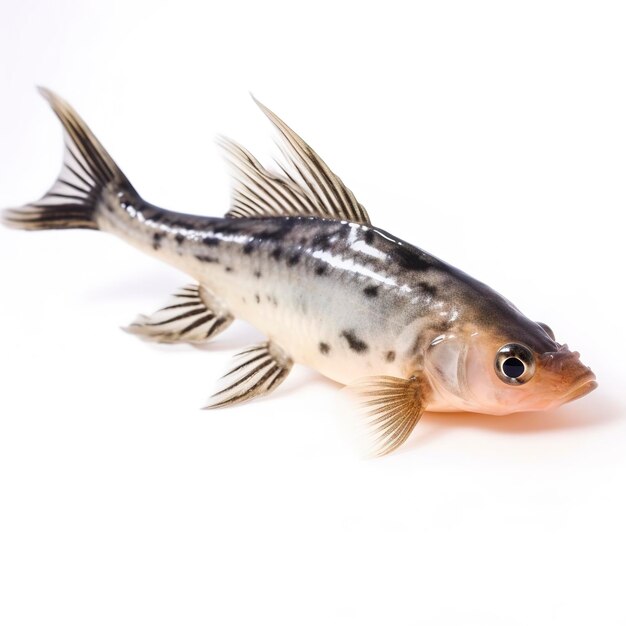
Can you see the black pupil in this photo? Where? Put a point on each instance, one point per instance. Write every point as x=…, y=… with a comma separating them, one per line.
x=513, y=368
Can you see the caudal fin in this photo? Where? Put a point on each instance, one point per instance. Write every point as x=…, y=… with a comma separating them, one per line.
x=87, y=171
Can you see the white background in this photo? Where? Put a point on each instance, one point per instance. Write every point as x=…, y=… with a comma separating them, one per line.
x=492, y=134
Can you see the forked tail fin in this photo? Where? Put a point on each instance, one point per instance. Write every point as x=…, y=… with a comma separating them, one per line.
x=87, y=171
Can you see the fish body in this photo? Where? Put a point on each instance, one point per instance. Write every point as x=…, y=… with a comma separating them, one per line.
x=298, y=258
x=333, y=292
x=346, y=299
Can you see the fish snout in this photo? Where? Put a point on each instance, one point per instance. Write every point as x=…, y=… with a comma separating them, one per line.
x=573, y=378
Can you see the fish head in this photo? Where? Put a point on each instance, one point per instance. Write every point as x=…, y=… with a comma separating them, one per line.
x=505, y=369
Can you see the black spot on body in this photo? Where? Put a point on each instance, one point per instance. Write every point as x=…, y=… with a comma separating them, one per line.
x=356, y=344
x=156, y=240
x=210, y=241
x=276, y=253
x=249, y=247
x=343, y=230
x=228, y=268
x=228, y=227
x=390, y=357
x=324, y=347
x=320, y=270
x=257, y=274
x=179, y=238
x=279, y=231
x=321, y=240
x=411, y=259
x=206, y=259
x=257, y=298
x=293, y=259
x=428, y=289
x=369, y=236
x=371, y=291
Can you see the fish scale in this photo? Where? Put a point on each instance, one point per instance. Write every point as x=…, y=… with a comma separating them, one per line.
x=298, y=258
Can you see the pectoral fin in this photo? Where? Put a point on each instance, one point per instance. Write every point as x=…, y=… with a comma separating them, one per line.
x=192, y=315
x=391, y=407
x=255, y=372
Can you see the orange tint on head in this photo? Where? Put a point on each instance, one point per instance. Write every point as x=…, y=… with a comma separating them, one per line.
x=565, y=374
x=559, y=376
x=464, y=376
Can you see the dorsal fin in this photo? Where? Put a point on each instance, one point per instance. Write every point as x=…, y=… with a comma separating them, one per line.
x=258, y=192
x=305, y=186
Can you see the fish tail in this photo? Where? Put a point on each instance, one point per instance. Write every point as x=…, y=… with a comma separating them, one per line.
x=88, y=173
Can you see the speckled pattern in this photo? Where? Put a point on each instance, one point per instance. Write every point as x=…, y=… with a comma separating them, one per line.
x=348, y=299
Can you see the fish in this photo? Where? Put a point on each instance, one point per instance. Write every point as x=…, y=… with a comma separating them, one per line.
x=297, y=256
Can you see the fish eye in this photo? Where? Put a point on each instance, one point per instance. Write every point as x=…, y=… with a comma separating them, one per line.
x=547, y=330
x=514, y=364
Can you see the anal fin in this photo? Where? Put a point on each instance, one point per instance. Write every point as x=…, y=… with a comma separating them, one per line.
x=255, y=372
x=391, y=407
x=192, y=315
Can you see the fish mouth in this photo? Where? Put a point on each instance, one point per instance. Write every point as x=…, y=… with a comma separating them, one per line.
x=584, y=386
x=566, y=365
